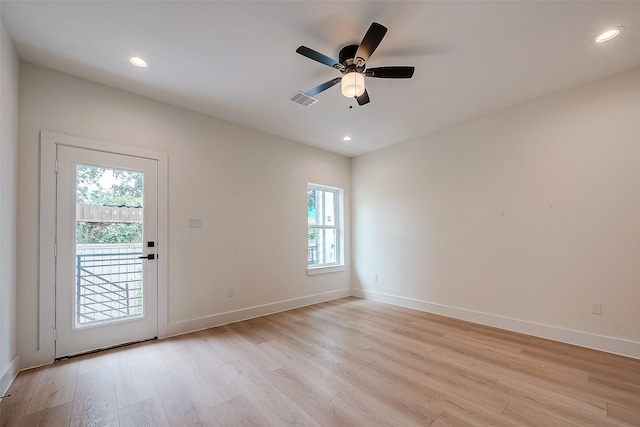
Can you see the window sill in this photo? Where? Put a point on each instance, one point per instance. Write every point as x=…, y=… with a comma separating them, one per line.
x=322, y=270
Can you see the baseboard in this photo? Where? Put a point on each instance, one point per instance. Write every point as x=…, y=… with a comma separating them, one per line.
x=252, y=312
x=582, y=339
x=9, y=375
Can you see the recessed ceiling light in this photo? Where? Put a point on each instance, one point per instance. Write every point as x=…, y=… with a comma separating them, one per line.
x=138, y=62
x=607, y=34
x=346, y=138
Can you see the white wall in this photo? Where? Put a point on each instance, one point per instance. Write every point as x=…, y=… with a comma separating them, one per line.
x=249, y=187
x=9, y=66
x=520, y=219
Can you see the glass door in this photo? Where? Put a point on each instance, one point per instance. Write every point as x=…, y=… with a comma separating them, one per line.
x=106, y=276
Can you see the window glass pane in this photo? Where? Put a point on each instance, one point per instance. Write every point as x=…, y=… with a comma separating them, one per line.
x=328, y=211
x=312, y=254
x=311, y=206
x=323, y=246
x=327, y=245
x=321, y=207
x=323, y=233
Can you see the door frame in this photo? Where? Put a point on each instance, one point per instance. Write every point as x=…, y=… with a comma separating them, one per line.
x=47, y=303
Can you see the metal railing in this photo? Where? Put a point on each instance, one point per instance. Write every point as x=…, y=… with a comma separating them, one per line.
x=108, y=287
x=312, y=255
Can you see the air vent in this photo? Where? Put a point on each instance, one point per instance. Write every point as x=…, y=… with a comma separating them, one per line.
x=303, y=99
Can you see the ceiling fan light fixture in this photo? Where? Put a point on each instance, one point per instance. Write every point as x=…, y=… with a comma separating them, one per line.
x=353, y=84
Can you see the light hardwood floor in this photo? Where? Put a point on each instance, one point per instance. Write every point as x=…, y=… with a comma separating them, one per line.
x=349, y=362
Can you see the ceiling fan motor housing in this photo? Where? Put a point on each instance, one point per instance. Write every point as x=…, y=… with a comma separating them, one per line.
x=346, y=57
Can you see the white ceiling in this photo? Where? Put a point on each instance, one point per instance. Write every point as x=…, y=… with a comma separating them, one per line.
x=236, y=60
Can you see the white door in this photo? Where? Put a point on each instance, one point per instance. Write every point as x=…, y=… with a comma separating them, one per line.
x=106, y=233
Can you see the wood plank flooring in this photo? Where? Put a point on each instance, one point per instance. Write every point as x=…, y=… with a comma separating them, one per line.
x=348, y=362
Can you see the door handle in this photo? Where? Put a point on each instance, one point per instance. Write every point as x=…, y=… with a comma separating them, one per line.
x=150, y=256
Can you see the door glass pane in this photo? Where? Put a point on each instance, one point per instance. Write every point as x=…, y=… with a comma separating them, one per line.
x=109, y=226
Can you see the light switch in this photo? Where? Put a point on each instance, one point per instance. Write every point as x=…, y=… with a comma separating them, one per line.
x=195, y=223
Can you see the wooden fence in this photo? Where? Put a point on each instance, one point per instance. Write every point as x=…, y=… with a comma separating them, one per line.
x=86, y=213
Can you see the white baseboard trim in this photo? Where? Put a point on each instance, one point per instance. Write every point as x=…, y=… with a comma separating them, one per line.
x=9, y=375
x=582, y=339
x=252, y=312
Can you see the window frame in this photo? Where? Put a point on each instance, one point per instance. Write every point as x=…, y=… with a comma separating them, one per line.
x=338, y=222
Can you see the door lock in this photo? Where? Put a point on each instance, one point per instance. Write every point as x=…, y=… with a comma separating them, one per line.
x=150, y=256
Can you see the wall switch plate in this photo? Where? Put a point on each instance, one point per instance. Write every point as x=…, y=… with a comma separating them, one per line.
x=375, y=277
x=195, y=222
x=596, y=308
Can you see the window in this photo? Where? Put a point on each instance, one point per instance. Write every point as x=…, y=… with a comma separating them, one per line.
x=324, y=235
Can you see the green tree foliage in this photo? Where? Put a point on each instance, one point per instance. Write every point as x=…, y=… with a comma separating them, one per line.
x=311, y=200
x=311, y=212
x=87, y=177
x=125, y=191
x=118, y=232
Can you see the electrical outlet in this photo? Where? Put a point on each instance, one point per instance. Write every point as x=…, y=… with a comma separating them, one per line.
x=375, y=277
x=230, y=292
x=596, y=308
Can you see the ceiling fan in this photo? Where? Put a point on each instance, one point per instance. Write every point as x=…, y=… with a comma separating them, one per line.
x=352, y=64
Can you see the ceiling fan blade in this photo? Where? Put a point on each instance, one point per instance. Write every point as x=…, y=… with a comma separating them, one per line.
x=317, y=56
x=370, y=42
x=363, y=99
x=324, y=86
x=390, y=72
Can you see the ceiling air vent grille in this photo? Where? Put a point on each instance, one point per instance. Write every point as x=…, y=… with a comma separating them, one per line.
x=303, y=99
